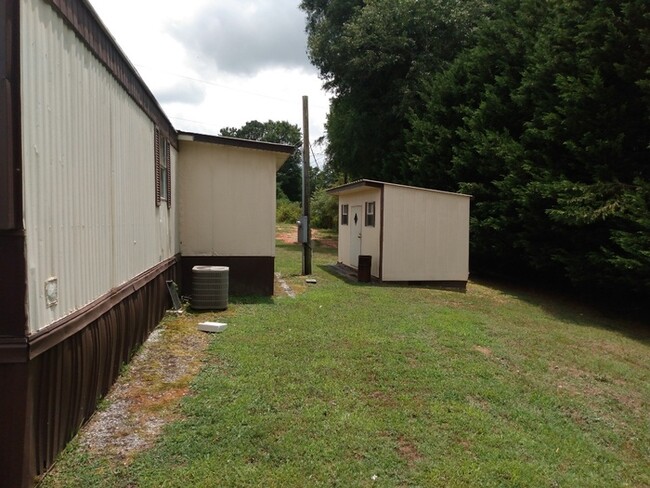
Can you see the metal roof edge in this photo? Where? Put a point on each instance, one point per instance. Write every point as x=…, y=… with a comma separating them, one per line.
x=353, y=185
x=236, y=142
x=378, y=184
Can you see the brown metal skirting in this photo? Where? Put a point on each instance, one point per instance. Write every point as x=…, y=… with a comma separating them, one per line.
x=248, y=275
x=13, y=288
x=83, y=20
x=73, y=323
x=47, y=398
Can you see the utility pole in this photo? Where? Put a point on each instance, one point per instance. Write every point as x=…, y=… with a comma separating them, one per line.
x=306, y=241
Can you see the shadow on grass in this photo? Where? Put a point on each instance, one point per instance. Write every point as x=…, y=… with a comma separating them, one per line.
x=251, y=300
x=349, y=275
x=235, y=300
x=563, y=307
x=567, y=307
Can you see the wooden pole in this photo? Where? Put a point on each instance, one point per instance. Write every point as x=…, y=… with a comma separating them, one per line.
x=306, y=245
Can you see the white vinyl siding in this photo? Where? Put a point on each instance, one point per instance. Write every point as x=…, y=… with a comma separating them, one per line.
x=426, y=235
x=88, y=188
x=227, y=197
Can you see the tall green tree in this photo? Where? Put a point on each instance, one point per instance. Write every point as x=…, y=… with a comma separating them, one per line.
x=289, y=177
x=372, y=55
x=544, y=120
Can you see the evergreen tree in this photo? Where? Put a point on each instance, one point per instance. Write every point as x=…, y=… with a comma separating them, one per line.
x=372, y=56
x=544, y=121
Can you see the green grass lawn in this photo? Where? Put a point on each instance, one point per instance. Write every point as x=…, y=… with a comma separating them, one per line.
x=365, y=385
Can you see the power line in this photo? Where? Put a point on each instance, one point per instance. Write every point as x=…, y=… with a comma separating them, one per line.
x=311, y=148
x=220, y=85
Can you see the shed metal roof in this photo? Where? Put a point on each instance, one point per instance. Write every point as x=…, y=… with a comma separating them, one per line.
x=364, y=183
x=236, y=142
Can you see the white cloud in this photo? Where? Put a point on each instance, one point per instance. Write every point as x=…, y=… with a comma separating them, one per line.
x=186, y=91
x=245, y=37
x=220, y=64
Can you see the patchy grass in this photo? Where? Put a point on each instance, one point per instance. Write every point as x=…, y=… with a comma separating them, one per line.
x=362, y=385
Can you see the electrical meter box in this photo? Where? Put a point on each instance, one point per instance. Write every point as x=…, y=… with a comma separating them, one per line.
x=303, y=229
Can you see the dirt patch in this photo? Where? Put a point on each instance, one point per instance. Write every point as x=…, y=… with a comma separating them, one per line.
x=408, y=451
x=383, y=398
x=287, y=237
x=146, y=396
x=319, y=238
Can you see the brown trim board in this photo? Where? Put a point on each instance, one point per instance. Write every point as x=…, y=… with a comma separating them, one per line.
x=13, y=287
x=47, y=397
x=41, y=341
x=381, y=234
x=238, y=142
x=248, y=275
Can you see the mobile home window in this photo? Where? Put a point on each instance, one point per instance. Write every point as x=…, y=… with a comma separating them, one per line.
x=370, y=214
x=344, y=215
x=162, y=160
x=164, y=170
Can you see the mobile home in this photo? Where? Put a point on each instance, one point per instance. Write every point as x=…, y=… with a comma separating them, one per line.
x=89, y=220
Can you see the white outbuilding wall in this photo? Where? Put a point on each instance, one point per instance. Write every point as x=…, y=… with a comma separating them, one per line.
x=358, y=238
x=426, y=235
x=227, y=197
x=227, y=208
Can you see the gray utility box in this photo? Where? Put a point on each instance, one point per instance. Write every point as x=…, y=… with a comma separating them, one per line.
x=303, y=229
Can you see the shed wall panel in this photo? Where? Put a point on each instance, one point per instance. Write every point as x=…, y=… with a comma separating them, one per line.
x=227, y=197
x=426, y=235
x=90, y=216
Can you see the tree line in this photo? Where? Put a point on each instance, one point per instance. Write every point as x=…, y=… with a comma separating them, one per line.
x=539, y=109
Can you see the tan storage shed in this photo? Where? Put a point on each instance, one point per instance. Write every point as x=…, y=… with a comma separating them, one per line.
x=414, y=235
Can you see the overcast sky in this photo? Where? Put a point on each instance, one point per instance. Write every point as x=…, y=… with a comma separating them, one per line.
x=220, y=63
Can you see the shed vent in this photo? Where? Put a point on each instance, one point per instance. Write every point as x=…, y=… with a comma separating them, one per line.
x=210, y=287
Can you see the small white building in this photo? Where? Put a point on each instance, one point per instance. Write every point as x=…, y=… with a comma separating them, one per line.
x=227, y=208
x=414, y=235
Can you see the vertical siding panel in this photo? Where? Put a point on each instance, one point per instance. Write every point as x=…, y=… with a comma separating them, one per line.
x=89, y=215
x=242, y=182
x=89, y=220
x=438, y=222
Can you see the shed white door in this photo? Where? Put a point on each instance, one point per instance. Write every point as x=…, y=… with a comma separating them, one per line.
x=355, y=234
